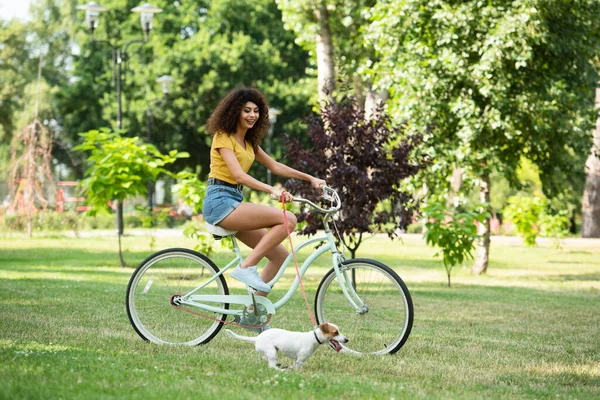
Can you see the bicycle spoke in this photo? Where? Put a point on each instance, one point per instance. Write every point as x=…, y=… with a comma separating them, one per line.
x=170, y=272
x=382, y=325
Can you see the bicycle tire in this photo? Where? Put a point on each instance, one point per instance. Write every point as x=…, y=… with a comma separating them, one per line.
x=385, y=324
x=151, y=287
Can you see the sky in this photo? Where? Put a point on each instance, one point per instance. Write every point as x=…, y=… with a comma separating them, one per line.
x=15, y=9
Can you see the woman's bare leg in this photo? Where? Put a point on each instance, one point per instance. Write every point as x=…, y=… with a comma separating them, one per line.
x=275, y=256
x=252, y=217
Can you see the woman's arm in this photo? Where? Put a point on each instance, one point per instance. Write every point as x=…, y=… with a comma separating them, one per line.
x=245, y=179
x=283, y=170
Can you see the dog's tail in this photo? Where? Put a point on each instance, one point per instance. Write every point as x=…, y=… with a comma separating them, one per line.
x=236, y=336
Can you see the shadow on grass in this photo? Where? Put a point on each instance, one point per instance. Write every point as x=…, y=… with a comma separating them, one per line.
x=576, y=262
x=433, y=263
x=26, y=259
x=116, y=272
x=471, y=296
x=51, y=256
x=574, y=380
x=594, y=276
x=474, y=295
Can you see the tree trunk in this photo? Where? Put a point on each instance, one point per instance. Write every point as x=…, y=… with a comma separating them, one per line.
x=123, y=265
x=352, y=253
x=373, y=99
x=355, y=247
x=325, y=64
x=119, y=217
x=590, y=205
x=483, y=247
x=29, y=226
x=359, y=91
x=456, y=181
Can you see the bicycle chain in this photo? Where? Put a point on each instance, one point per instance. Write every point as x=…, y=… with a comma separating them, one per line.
x=218, y=320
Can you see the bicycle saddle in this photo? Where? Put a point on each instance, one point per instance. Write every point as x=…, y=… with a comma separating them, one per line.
x=218, y=232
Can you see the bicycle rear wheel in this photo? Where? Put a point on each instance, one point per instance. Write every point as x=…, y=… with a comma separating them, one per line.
x=151, y=289
x=383, y=321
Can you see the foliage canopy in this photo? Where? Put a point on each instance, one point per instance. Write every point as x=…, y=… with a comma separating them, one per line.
x=365, y=160
x=120, y=167
x=497, y=80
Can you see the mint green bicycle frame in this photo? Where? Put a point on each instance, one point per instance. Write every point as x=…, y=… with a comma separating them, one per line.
x=345, y=282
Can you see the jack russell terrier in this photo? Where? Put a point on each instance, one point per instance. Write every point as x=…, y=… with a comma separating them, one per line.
x=296, y=345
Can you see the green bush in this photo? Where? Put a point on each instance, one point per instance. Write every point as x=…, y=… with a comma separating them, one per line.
x=533, y=217
x=55, y=221
x=453, y=231
x=416, y=227
x=52, y=221
x=44, y=221
x=106, y=221
x=14, y=222
x=132, y=220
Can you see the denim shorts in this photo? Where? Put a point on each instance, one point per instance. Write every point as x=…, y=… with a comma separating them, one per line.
x=219, y=202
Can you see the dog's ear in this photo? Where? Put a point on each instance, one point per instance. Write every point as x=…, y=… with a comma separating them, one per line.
x=325, y=327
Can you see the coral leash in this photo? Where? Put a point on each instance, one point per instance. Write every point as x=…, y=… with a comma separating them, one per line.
x=287, y=228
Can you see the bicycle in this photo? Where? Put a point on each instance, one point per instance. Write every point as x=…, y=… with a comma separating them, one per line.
x=365, y=298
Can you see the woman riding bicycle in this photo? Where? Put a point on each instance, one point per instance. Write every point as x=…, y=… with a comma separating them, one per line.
x=237, y=126
x=178, y=296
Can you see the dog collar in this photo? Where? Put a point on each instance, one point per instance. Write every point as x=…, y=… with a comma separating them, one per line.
x=315, y=333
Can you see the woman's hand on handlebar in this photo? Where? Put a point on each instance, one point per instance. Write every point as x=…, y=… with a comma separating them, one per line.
x=276, y=193
x=317, y=183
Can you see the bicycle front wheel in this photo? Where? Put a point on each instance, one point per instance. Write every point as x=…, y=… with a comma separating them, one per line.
x=382, y=320
x=151, y=290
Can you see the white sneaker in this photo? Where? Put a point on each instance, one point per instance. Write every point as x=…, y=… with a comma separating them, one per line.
x=250, y=277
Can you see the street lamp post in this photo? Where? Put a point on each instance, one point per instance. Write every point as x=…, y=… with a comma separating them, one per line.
x=273, y=113
x=92, y=17
x=165, y=81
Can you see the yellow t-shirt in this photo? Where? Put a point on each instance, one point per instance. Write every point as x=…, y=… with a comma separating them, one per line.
x=218, y=167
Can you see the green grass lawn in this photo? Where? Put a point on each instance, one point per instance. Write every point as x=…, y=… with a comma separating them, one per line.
x=530, y=328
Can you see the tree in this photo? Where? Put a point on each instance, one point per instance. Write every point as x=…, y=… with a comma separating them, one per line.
x=30, y=160
x=120, y=168
x=453, y=231
x=30, y=148
x=49, y=34
x=531, y=219
x=17, y=70
x=210, y=48
x=333, y=32
x=498, y=81
x=364, y=160
x=590, y=207
x=310, y=20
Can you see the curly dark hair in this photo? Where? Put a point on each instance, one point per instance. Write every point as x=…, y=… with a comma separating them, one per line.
x=225, y=116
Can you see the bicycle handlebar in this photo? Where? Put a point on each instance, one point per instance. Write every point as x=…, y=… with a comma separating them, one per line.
x=328, y=194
